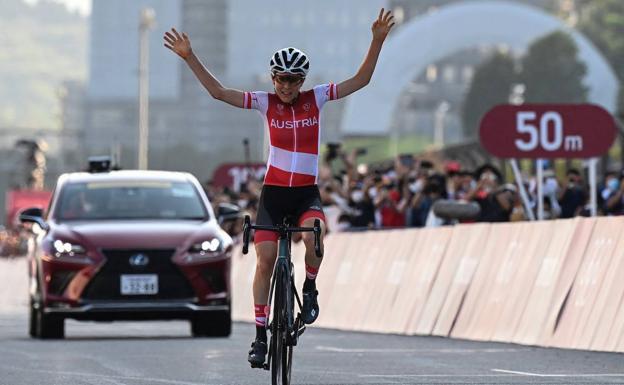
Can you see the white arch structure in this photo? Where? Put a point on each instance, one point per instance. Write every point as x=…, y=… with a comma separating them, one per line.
x=453, y=28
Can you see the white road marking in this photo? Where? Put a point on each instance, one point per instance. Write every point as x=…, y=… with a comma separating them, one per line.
x=454, y=351
x=559, y=374
x=433, y=375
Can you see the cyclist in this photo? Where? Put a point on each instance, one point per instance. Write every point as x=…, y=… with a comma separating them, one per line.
x=290, y=185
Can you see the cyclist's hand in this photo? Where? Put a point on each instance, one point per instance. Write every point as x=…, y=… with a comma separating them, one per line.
x=181, y=45
x=382, y=25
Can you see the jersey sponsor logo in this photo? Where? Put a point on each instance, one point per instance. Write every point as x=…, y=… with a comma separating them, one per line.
x=306, y=107
x=280, y=109
x=290, y=124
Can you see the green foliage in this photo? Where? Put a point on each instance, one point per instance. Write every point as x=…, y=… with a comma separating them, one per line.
x=552, y=72
x=490, y=86
x=44, y=45
x=603, y=23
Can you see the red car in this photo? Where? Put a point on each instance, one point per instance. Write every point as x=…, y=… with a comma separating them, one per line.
x=129, y=245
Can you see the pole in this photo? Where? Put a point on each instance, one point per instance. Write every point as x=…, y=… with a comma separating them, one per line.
x=593, y=199
x=438, y=127
x=146, y=23
x=540, y=189
x=523, y=193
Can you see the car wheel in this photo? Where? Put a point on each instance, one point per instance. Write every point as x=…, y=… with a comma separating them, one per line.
x=32, y=320
x=213, y=324
x=49, y=326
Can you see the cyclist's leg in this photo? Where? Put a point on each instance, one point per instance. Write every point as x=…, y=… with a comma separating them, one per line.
x=310, y=310
x=310, y=210
x=308, y=238
x=266, y=252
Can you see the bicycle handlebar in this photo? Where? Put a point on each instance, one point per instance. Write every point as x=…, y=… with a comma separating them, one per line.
x=247, y=227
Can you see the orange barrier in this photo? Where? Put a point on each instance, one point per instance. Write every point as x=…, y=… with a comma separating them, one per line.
x=456, y=271
x=390, y=270
x=349, y=279
x=368, y=281
x=550, y=283
x=335, y=249
x=574, y=328
x=428, y=248
x=533, y=321
x=516, y=277
x=611, y=300
x=468, y=317
x=574, y=258
x=618, y=329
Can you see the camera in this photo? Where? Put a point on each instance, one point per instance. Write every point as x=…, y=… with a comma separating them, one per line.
x=332, y=151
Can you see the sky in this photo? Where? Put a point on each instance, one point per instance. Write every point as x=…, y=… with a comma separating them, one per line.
x=82, y=6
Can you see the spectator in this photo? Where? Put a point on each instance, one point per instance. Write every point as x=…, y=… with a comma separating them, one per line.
x=613, y=194
x=573, y=197
x=390, y=207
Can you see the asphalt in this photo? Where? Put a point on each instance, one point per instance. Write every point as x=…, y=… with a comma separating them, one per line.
x=143, y=353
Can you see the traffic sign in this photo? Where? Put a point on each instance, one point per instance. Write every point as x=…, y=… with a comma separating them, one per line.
x=547, y=131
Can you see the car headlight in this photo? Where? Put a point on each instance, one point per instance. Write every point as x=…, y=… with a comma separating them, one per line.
x=205, y=249
x=62, y=249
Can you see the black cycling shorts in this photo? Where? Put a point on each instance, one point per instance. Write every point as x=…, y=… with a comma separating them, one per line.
x=277, y=203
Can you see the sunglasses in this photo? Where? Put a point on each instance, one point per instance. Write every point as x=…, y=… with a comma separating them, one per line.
x=290, y=79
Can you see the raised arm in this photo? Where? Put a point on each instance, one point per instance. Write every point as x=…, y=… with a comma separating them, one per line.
x=181, y=45
x=380, y=29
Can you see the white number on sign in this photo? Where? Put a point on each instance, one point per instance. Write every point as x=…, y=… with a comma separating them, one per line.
x=549, y=136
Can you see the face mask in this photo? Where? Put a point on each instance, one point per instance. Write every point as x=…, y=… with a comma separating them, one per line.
x=416, y=187
x=613, y=184
x=551, y=186
x=357, y=196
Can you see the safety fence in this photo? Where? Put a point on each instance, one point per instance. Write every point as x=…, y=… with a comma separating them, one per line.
x=554, y=283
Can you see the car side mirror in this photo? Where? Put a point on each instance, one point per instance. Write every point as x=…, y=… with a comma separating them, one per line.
x=33, y=215
x=228, y=212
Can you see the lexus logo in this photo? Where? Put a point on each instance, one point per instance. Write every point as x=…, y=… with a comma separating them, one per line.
x=139, y=260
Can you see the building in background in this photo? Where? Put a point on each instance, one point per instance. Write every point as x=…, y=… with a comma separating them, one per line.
x=188, y=129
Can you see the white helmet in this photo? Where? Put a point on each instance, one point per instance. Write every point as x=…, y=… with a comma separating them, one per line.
x=290, y=60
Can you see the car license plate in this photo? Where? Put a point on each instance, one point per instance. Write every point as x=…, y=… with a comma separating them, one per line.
x=139, y=284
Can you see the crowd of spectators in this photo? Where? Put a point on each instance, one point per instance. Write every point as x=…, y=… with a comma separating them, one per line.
x=403, y=193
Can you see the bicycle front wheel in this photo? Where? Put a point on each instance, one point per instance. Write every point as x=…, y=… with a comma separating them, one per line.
x=280, y=357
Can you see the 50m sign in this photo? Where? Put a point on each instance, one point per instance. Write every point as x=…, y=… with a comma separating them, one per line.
x=547, y=131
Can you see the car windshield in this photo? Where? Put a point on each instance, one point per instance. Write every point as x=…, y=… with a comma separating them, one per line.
x=130, y=200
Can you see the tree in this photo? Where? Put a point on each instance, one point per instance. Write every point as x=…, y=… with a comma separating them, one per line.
x=603, y=23
x=552, y=72
x=490, y=86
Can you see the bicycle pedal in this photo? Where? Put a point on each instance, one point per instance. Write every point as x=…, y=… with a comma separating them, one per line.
x=301, y=330
x=259, y=366
x=265, y=366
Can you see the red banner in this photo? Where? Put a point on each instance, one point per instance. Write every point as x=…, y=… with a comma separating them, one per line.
x=547, y=131
x=18, y=200
x=232, y=175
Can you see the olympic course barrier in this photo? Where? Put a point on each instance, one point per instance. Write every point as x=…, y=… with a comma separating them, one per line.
x=552, y=283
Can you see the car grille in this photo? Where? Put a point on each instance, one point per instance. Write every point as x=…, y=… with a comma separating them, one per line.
x=106, y=284
x=59, y=281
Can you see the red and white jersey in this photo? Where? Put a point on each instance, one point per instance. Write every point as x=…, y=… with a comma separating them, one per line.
x=294, y=132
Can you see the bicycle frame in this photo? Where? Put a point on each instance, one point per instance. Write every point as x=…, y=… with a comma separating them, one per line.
x=285, y=330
